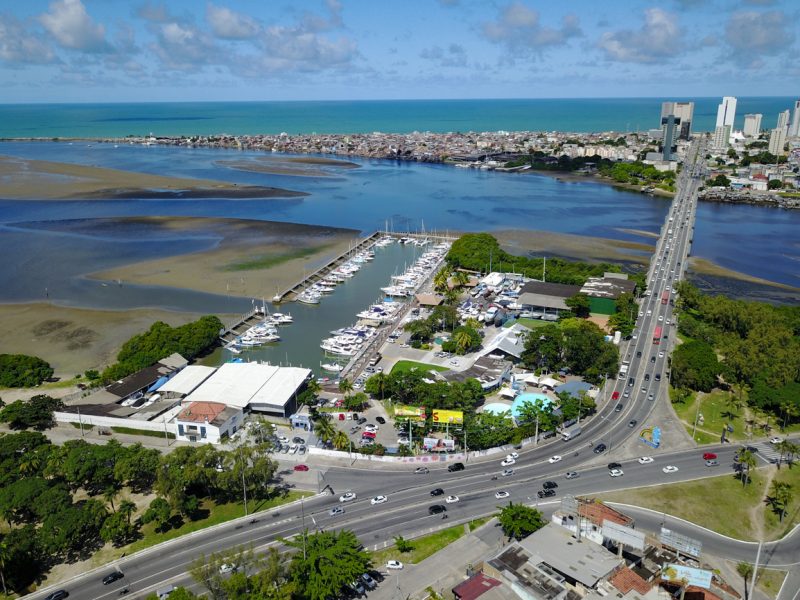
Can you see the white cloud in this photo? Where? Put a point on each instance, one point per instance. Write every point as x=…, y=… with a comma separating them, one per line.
x=155, y=13
x=230, y=25
x=519, y=28
x=752, y=35
x=72, y=27
x=18, y=46
x=317, y=23
x=659, y=39
x=180, y=46
x=292, y=48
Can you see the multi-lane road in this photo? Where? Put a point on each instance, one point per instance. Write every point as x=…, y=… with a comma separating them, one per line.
x=406, y=512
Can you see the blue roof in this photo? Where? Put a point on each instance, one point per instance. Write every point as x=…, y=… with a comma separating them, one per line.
x=574, y=387
x=161, y=381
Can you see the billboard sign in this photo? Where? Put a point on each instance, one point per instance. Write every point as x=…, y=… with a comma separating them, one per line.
x=412, y=413
x=680, y=573
x=437, y=445
x=453, y=417
x=679, y=542
x=623, y=535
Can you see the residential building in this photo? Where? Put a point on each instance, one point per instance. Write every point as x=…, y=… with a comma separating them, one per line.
x=752, y=125
x=794, y=128
x=684, y=113
x=726, y=112
x=783, y=120
x=777, y=140
x=670, y=123
x=722, y=135
x=208, y=422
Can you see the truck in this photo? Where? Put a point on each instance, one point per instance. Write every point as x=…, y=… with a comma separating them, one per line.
x=665, y=297
x=657, y=335
x=571, y=433
x=623, y=370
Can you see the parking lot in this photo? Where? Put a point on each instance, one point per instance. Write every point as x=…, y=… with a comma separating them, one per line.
x=370, y=426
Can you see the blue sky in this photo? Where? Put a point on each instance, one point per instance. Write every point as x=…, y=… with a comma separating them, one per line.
x=181, y=50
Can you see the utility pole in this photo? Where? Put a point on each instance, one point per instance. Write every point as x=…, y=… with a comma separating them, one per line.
x=166, y=436
x=244, y=487
x=80, y=421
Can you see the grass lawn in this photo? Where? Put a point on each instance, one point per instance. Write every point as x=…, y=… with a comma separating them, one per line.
x=409, y=365
x=529, y=323
x=218, y=513
x=769, y=581
x=424, y=546
x=733, y=509
x=712, y=408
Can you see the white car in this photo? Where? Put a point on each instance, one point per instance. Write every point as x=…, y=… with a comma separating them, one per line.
x=283, y=439
x=660, y=317
x=507, y=461
x=394, y=564
x=645, y=460
x=670, y=469
x=775, y=440
x=378, y=500
x=500, y=494
x=404, y=441
x=616, y=473
x=554, y=459
x=347, y=497
x=226, y=568
x=371, y=428
x=452, y=499
x=661, y=354
x=513, y=455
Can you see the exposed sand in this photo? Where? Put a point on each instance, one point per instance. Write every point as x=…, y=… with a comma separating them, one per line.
x=567, y=245
x=292, y=166
x=25, y=179
x=73, y=340
x=253, y=258
x=701, y=266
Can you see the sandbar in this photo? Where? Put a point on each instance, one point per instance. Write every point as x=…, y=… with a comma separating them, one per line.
x=26, y=179
x=292, y=166
x=251, y=258
x=580, y=247
x=701, y=266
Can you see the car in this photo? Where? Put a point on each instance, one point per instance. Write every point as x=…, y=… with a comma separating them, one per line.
x=549, y=485
x=616, y=473
x=507, y=472
x=368, y=435
x=370, y=427
x=647, y=376
x=452, y=499
x=404, y=441
x=658, y=377
x=614, y=465
x=751, y=449
x=500, y=494
x=437, y=492
x=626, y=394
x=301, y=467
x=513, y=455
x=336, y=510
x=644, y=390
x=639, y=354
x=546, y=493
x=554, y=459
x=618, y=407
x=775, y=440
x=645, y=460
x=381, y=420
x=709, y=456
x=632, y=423
x=347, y=497
x=661, y=354
x=660, y=318
x=572, y=475
x=455, y=467
x=599, y=449
x=436, y=509
x=507, y=461
x=615, y=396
x=284, y=448
x=394, y=565
x=670, y=469
x=357, y=588
x=58, y=595
x=283, y=439
x=112, y=577
x=378, y=500
x=226, y=568
x=293, y=449
x=712, y=463
x=631, y=381
x=651, y=397
x=369, y=581
x=298, y=440
x=361, y=421
x=652, y=359
x=421, y=471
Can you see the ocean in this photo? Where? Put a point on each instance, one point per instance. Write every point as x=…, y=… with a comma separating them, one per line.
x=391, y=116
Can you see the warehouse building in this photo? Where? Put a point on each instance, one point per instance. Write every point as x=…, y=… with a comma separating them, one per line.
x=547, y=297
x=604, y=292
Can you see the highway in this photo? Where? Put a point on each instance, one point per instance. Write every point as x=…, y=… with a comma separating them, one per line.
x=406, y=511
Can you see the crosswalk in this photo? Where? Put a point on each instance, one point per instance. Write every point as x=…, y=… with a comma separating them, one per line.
x=767, y=452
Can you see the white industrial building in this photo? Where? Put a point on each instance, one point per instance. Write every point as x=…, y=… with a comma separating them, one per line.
x=253, y=387
x=186, y=381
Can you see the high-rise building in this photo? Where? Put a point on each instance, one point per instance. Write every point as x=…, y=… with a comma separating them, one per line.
x=726, y=113
x=794, y=128
x=777, y=139
x=722, y=136
x=783, y=120
x=670, y=123
x=752, y=125
x=683, y=112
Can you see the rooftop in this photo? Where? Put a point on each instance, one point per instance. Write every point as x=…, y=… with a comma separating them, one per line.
x=187, y=380
x=607, y=287
x=597, y=512
x=202, y=412
x=626, y=580
x=542, y=288
x=474, y=587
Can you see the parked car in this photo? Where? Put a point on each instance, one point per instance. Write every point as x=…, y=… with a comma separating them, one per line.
x=394, y=564
x=381, y=420
x=301, y=467
x=369, y=581
x=226, y=568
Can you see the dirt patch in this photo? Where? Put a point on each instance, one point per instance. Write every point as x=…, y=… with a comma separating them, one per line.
x=49, y=326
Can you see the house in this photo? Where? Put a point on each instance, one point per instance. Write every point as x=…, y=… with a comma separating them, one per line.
x=477, y=586
x=208, y=422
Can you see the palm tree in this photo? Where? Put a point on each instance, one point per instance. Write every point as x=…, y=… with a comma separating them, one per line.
x=5, y=555
x=345, y=386
x=747, y=460
x=341, y=441
x=324, y=427
x=781, y=496
x=790, y=412
x=462, y=278
x=463, y=341
x=127, y=508
x=784, y=447
x=746, y=571
x=734, y=404
x=379, y=381
x=793, y=449
x=109, y=494
x=30, y=463
x=472, y=322
x=440, y=279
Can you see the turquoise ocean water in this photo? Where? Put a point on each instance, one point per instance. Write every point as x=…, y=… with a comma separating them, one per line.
x=400, y=116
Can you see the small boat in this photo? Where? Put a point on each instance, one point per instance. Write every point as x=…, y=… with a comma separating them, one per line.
x=332, y=367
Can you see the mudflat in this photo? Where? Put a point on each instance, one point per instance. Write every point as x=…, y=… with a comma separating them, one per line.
x=578, y=247
x=290, y=165
x=26, y=179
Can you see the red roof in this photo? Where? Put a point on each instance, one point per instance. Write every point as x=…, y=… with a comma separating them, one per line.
x=474, y=587
x=201, y=412
x=626, y=580
x=760, y=177
x=597, y=512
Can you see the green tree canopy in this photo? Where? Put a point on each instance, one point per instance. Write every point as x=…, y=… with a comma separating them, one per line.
x=519, y=521
x=695, y=366
x=579, y=305
x=36, y=413
x=20, y=370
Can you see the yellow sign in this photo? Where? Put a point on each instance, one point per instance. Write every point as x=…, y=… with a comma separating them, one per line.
x=454, y=417
x=413, y=413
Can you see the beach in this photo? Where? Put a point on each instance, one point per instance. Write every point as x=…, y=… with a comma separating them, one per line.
x=27, y=179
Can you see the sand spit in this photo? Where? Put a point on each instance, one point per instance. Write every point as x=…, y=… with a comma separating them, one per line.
x=25, y=179
x=290, y=165
x=577, y=247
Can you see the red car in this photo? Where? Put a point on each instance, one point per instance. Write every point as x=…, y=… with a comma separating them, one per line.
x=300, y=468
x=368, y=435
x=709, y=456
x=615, y=396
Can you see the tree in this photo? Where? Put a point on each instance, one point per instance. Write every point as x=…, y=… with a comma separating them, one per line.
x=356, y=402
x=118, y=529
x=402, y=544
x=466, y=339
x=774, y=184
x=376, y=385
x=719, y=181
x=747, y=461
x=324, y=427
x=136, y=467
x=74, y=531
x=781, y=497
x=127, y=508
x=746, y=571
x=36, y=413
x=579, y=305
x=695, y=366
x=340, y=440
x=519, y=521
x=20, y=370
x=440, y=279
x=20, y=558
x=345, y=386
x=5, y=555
x=325, y=562
x=543, y=348
x=158, y=513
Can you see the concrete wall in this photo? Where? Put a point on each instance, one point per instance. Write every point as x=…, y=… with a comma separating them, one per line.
x=63, y=417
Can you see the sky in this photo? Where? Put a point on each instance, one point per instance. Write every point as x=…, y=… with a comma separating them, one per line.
x=184, y=50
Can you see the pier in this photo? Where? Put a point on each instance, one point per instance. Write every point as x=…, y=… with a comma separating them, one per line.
x=234, y=328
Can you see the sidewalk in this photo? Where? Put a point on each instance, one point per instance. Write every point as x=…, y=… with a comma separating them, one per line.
x=444, y=570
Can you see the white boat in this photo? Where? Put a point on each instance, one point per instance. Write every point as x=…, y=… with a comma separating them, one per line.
x=331, y=367
x=308, y=298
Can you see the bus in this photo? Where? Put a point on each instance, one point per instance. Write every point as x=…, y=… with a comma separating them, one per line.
x=657, y=335
x=665, y=297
